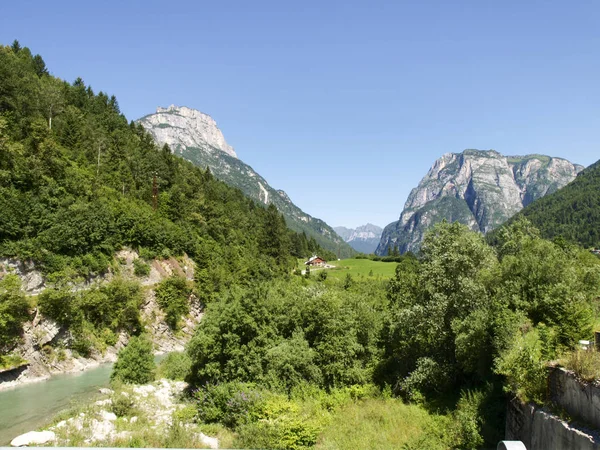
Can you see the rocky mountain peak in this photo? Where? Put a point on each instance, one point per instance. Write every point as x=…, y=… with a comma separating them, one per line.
x=195, y=137
x=181, y=127
x=480, y=188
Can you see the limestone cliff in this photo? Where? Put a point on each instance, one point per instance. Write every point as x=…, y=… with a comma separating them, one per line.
x=480, y=189
x=194, y=136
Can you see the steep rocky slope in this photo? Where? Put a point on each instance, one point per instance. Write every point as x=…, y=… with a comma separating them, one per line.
x=46, y=344
x=195, y=136
x=572, y=212
x=363, y=239
x=481, y=189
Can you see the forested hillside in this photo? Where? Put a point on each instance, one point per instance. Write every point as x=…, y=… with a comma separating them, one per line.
x=572, y=212
x=77, y=183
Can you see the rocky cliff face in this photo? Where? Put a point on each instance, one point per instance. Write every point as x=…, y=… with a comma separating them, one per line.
x=363, y=239
x=46, y=345
x=183, y=127
x=481, y=189
x=195, y=137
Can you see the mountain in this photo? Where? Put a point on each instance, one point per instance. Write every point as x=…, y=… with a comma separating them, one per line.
x=363, y=239
x=572, y=212
x=195, y=136
x=480, y=188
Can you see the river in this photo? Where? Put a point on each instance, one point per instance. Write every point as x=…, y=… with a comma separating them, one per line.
x=33, y=405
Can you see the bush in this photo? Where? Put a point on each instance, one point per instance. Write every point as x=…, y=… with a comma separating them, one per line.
x=322, y=275
x=176, y=366
x=348, y=281
x=11, y=361
x=141, y=268
x=172, y=295
x=135, y=362
x=523, y=366
x=122, y=405
x=467, y=421
x=58, y=304
x=14, y=310
x=228, y=403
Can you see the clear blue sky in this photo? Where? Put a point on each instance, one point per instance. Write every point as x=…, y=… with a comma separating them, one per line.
x=344, y=105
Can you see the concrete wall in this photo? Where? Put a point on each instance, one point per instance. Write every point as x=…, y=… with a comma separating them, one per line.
x=580, y=399
x=541, y=430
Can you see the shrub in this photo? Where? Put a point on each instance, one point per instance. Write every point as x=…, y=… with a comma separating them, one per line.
x=11, y=361
x=322, y=276
x=141, y=268
x=524, y=368
x=58, y=304
x=467, y=421
x=228, y=403
x=176, y=366
x=14, y=310
x=172, y=295
x=122, y=405
x=429, y=377
x=135, y=362
x=348, y=281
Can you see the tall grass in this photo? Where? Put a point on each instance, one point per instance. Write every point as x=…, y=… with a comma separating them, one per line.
x=384, y=424
x=585, y=363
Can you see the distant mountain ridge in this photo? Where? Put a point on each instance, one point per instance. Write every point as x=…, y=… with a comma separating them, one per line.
x=195, y=136
x=363, y=239
x=479, y=188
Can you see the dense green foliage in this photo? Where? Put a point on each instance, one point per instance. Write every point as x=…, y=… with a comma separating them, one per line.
x=572, y=212
x=135, y=362
x=464, y=316
x=14, y=310
x=76, y=184
x=172, y=295
x=175, y=366
x=463, y=305
x=287, y=333
x=96, y=315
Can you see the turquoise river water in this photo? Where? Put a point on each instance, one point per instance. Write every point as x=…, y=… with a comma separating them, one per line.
x=31, y=406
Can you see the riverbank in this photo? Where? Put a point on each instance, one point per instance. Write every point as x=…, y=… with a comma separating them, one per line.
x=151, y=415
x=31, y=406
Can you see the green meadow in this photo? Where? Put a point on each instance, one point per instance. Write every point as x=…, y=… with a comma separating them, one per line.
x=361, y=268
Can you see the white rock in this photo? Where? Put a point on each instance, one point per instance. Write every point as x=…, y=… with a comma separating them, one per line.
x=210, y=442
x=182, y=126
x=108, y=415
x=106, y=391
x=144, y=390
x=101, y=430
x=134, y=419
x=33, y=437
x=108, y=401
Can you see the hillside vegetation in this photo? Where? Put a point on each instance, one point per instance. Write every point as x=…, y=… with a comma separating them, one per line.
x=78, y=182
x=572, y=212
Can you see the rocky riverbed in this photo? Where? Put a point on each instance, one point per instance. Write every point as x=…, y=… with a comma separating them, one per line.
x=141, y=416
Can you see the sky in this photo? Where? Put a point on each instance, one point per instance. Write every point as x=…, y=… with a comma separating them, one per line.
x=343, y=104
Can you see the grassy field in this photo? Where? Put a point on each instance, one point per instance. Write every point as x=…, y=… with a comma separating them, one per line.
x=384, y=424
x=361, y=268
